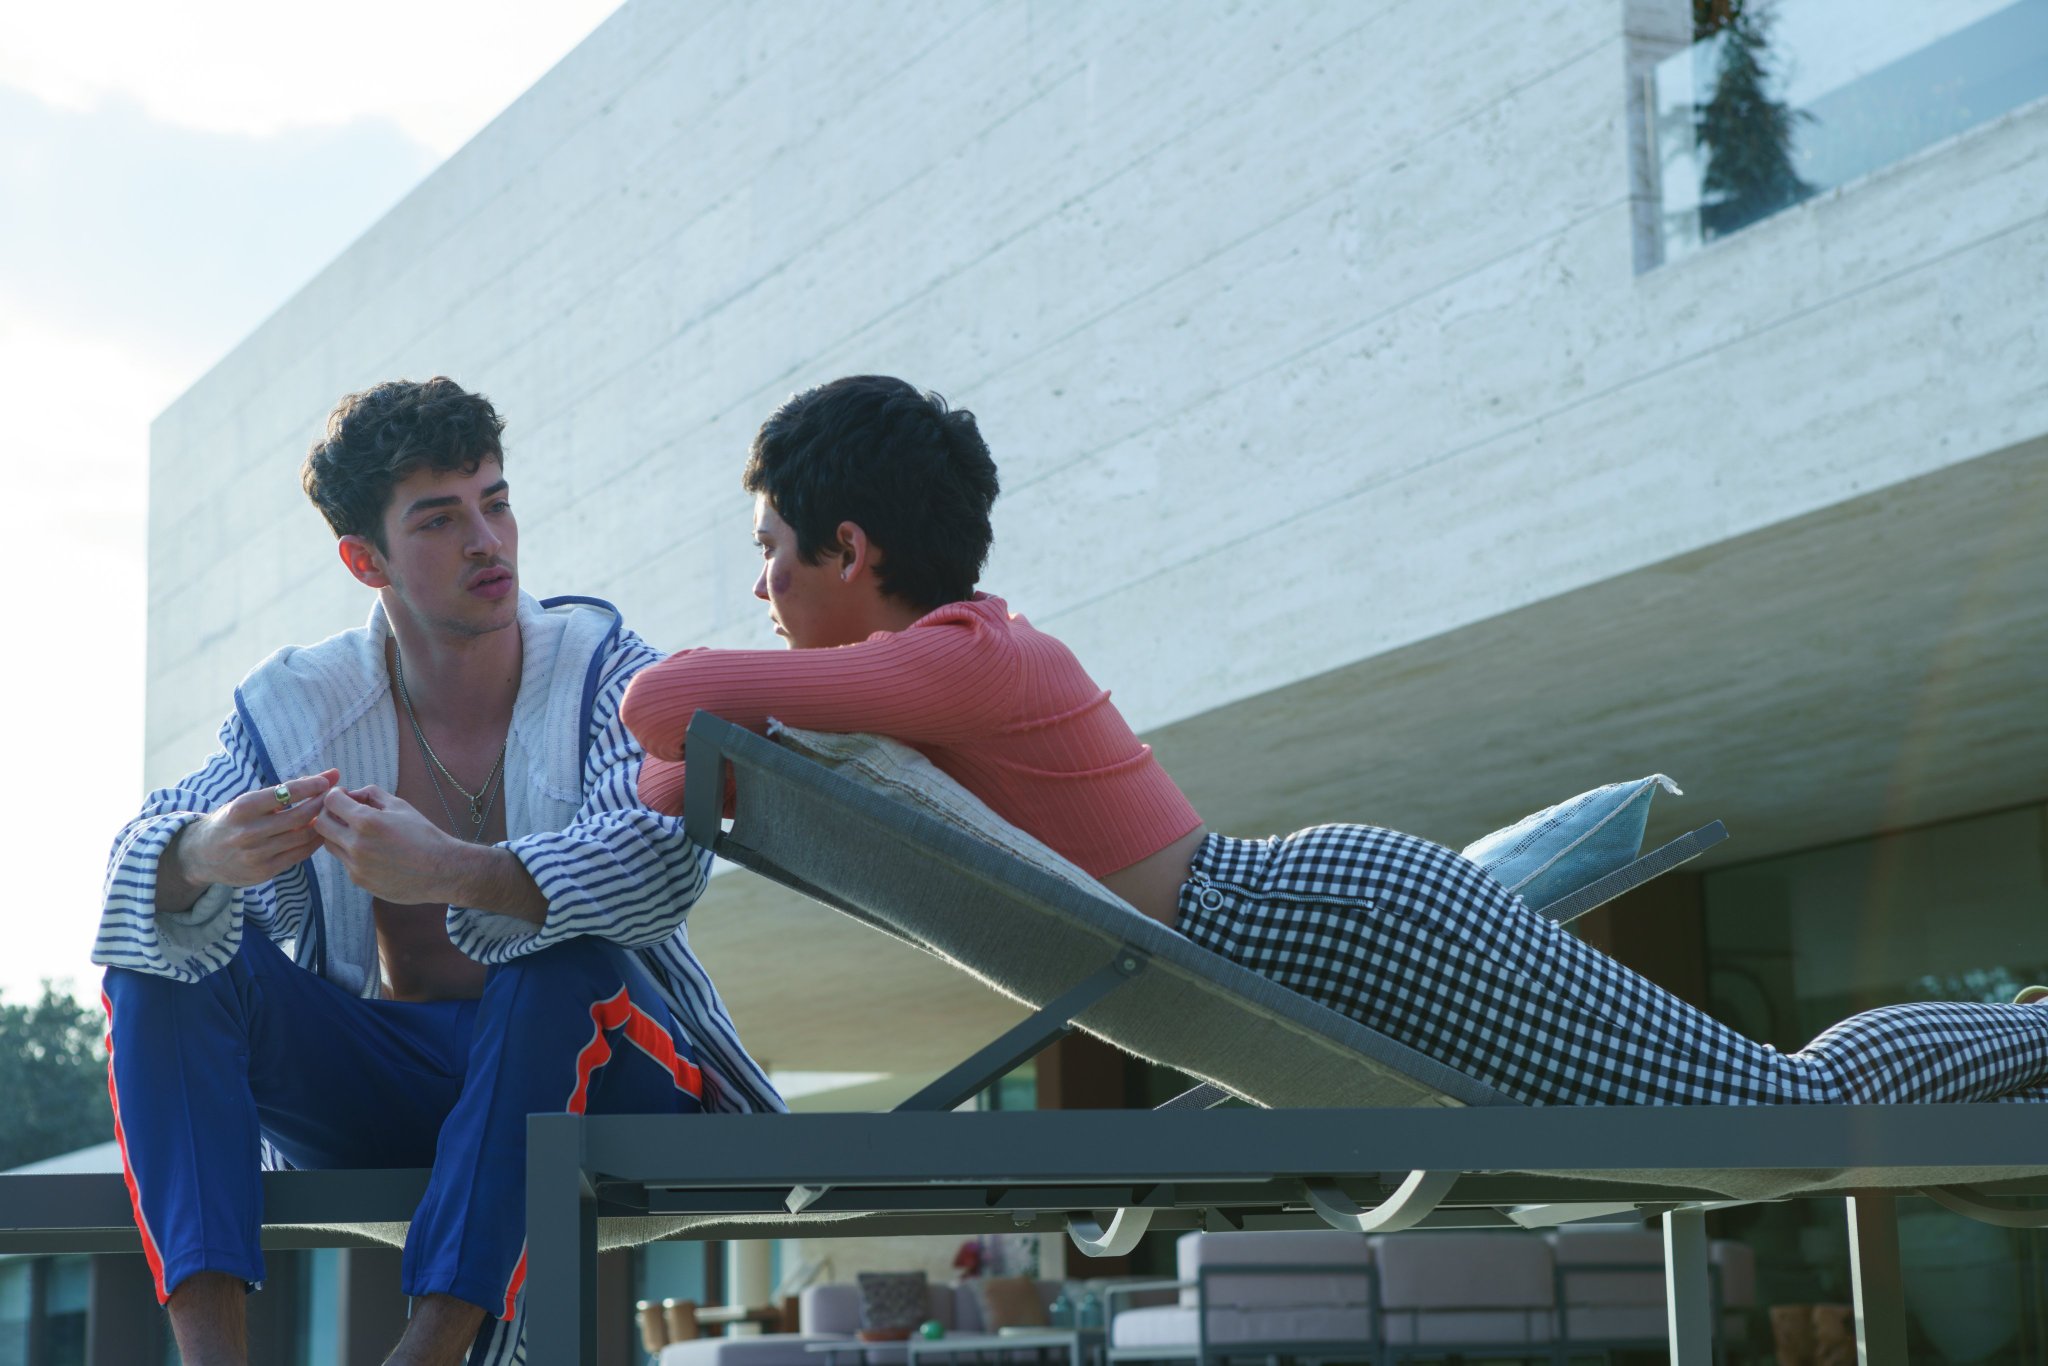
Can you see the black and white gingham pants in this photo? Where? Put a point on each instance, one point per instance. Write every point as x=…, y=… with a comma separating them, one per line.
x=1417, y=942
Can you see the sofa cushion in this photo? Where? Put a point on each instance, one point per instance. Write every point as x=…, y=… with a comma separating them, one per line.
x=1174, y=1325
x=830, y=1308
x=1288, y=1247
x=769, y=1349
x=1577, y=1248
x=1464, y=1271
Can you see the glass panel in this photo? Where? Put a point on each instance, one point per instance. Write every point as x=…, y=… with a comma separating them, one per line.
x=67, y=1293
x=16, y=1289
x=1016, y=1090
x=1798, y=97
x=70, y=1288
x=319, y=1306
x=1795, y=943
x=669, y=1271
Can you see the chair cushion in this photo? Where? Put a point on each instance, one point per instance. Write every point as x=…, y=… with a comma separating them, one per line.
x=770, y=1349
x=1174, y=1325
x=1562, y=848
x=1008, y=1302
x=1347, y=1253
x=895, y=769
x=1577, y=1248
x=892, y=1303
x=1408, y=1327
x=1465, y=1271
x=1738, y=1272
x=830, y=1308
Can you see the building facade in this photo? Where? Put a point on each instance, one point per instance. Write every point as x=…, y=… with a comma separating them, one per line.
x=1414, y=413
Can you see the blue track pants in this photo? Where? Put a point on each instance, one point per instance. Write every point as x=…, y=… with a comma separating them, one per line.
x=201, y=1072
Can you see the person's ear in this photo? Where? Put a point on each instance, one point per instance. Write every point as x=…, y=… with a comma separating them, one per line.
x=856, y=554
x=361, y=557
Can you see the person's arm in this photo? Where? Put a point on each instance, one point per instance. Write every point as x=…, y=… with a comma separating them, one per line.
x=202, y=858
x=619, y=871
x=661, y=785
x=934, y=683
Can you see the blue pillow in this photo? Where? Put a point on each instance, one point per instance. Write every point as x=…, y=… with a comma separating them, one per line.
x=1562, y=848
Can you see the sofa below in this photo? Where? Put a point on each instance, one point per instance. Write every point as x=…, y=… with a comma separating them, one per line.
x=1324, y=1294
x=831, y=1313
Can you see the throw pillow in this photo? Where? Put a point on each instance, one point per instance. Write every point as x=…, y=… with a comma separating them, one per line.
x=1009, y=1302
x=896, y=770
x=892, y=1304
x=1562, y=848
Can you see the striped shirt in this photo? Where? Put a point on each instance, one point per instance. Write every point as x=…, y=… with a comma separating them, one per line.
x=607, y=865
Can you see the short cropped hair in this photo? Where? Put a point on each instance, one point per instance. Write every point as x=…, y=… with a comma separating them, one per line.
x=908, y=470
x=378, y=438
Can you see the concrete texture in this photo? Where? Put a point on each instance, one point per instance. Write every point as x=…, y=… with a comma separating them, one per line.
x=1342, y=435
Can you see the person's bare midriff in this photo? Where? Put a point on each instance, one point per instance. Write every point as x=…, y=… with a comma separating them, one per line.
x=1153, y=883
x=418, y=962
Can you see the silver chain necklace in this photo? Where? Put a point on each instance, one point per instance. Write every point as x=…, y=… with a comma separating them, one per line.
x=479, y=809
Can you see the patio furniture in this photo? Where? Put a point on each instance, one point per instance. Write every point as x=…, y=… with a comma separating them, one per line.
x=1362, y=1133
x=1451, y=1295
x=1295, y=1293
x=830, y=1314
x=1309, y=1296
x=1611, y=1294
x=1011, y=1347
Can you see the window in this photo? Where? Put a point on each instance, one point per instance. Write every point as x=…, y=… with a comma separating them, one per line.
x=1957, y=911
x=17, y=1302
x=319, y=1306
x=1783, y=99
x=66, y=1297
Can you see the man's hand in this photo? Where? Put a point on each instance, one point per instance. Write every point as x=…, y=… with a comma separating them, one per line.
x=389, y=849
x=250, y=840
x=392, y=851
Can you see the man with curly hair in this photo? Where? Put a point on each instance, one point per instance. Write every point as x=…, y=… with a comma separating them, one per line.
x=410, y=900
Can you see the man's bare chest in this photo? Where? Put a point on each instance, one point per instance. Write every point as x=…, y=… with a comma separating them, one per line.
x=458, y=782
x=459, y=788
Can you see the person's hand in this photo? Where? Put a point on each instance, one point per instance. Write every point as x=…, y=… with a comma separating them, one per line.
x=254, y=837
x=389, y=849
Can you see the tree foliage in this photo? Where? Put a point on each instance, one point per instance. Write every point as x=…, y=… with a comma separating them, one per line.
x=1746, y=134
x=53, y=1078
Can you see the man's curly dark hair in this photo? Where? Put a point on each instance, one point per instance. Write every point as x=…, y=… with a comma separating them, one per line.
x=378, y=438
x=911, y=471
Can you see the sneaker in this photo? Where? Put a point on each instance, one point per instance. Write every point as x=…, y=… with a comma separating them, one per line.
x=2031, y=996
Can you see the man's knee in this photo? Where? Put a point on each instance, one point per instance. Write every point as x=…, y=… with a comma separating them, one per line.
x=126, y=991
x=155, y=1004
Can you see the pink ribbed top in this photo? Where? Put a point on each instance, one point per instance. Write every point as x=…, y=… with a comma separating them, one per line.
x=1004, y=709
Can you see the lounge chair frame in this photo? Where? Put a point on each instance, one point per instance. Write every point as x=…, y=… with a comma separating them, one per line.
x=1191, y=1165
x=1454, y=1155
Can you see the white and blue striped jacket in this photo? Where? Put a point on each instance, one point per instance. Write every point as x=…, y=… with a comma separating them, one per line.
x=607, y=865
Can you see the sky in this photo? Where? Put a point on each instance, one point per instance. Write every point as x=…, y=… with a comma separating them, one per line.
x=170, y=175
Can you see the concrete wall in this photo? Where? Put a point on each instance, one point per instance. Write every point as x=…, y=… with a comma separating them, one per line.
x=1303, y=333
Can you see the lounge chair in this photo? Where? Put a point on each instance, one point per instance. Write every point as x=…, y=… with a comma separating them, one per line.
x=1354, y=1129
x=1358, y=1132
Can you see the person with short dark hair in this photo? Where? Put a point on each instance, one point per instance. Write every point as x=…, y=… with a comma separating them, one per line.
x=812, y=461
x=864, y=485
x=410, y=900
